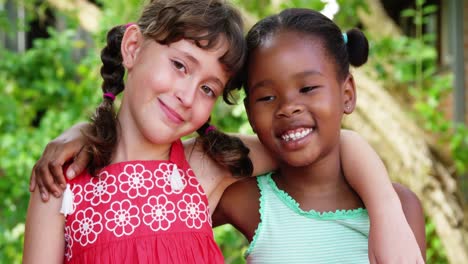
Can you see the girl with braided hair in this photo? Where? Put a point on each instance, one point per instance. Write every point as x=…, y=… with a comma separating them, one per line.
x=139, y=201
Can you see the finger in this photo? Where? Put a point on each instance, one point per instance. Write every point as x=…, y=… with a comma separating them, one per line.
x=79, y=164
x=48, y=181
x=56, y=169
x=32, y=180
x=43, y=191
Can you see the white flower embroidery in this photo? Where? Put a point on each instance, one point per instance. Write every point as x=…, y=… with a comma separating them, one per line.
x=100, y=189
x=135, y=180
x=193, y=181
x=68, y=243
x=122, y=218
x=193, y=210
x=158, y=213
x=87, y=226
x=77, y=195
x=163, y=178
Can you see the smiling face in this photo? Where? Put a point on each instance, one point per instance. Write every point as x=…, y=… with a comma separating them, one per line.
x=295, y=101
x=170, y=89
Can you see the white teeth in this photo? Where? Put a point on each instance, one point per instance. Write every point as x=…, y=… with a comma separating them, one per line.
x=291, y=136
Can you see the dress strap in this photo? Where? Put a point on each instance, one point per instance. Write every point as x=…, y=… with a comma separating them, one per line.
x=178, y=154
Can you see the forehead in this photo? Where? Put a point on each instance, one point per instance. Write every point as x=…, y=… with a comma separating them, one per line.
x=284, y=54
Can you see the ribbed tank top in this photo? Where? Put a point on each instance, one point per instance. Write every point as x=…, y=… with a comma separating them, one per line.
x=287, y=234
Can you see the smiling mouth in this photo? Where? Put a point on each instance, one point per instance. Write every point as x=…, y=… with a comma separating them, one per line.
x=296, y=134
x=171, y=113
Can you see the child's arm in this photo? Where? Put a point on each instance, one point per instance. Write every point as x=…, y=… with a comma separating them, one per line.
x=44, y=239
x=47, y=173
x=391, y=239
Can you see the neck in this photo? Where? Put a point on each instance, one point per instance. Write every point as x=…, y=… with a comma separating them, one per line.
x=323, y=172
x=132, y=145
x=320, y=185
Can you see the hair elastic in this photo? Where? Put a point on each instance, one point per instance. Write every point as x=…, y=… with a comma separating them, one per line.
x=345, y=38
x=209, y=128
x=111, y=96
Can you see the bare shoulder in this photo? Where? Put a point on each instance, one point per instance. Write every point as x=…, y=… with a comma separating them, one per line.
x=243, y=190
x=238, y=198
x=240, y=206
x=202, y=164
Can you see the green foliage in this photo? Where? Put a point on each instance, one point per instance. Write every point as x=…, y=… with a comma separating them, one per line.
x=411, y=63
x=435, y=252
x=316, y=5
x=348, y=17
x=44, y=91
x=232, y=243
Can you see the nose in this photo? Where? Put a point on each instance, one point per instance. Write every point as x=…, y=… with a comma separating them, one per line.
x=289, y=108
x=186, y=94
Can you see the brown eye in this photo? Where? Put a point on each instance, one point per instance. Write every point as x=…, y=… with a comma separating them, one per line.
x=207, y=90
x=179, y=66
x=265, y=99
x=307, y=89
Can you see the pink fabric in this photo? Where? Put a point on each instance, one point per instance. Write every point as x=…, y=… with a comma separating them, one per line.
x=109, y=95
x=132, y=214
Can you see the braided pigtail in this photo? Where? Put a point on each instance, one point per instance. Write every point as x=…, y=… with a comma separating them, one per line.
x=102, y=135
x=228, y=151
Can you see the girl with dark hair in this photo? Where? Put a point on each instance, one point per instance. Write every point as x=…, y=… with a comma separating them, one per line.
x=298, y=86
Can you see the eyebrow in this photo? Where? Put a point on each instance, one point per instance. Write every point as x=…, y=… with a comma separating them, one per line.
x=306, y=73
x=196, y=62
x=261, y=84
x=295, y=76
x=189, y=57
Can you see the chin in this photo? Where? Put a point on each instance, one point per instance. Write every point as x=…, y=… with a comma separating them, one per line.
x=297, y=162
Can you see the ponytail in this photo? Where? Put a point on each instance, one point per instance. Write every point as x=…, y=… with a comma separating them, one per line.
x=357, y=47
x=228, y=151
x=102, y=134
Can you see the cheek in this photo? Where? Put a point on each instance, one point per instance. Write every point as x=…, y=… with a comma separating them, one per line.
x=201, y=112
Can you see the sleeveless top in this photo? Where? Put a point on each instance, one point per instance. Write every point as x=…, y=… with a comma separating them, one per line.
x=287, y=234
x=141, y=212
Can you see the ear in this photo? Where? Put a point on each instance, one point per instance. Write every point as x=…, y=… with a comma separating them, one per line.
x=246, y=106
x=131, y=43
x=349, y=95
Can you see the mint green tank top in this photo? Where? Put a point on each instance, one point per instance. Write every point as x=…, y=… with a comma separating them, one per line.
x=287, y=234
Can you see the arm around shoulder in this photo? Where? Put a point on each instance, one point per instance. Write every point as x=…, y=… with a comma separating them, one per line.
x=44, y=240
x=262, y=160
x=366, y=173
x=391, y=238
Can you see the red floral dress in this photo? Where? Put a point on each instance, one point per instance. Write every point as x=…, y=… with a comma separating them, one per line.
x=141, y=212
